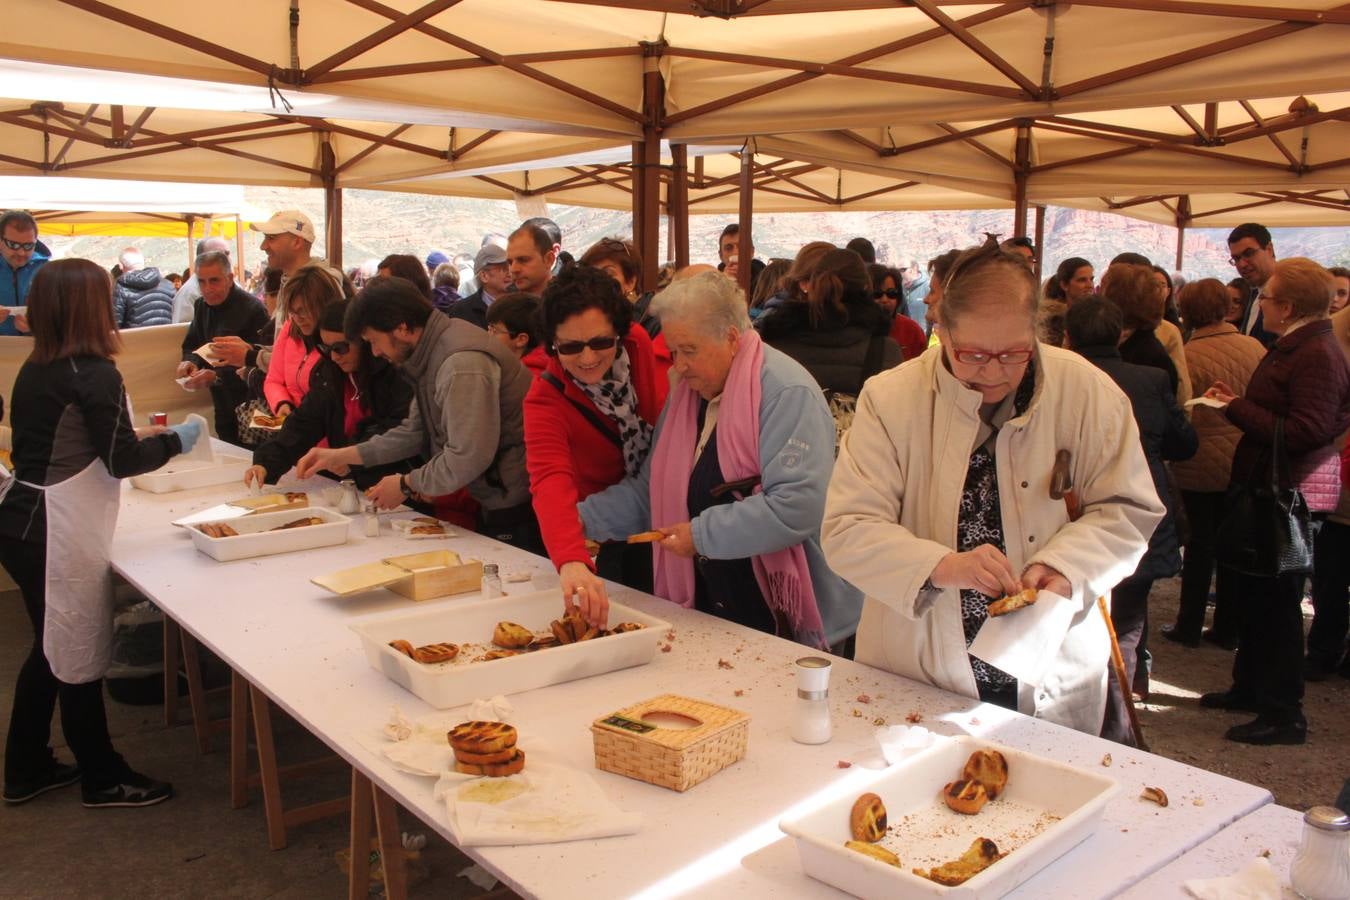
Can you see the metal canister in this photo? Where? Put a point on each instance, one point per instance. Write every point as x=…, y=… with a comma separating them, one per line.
x=159, y=418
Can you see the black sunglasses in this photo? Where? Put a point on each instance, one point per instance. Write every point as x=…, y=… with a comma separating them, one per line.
x=19, y=245
x=893, y=293
x=335, y=347
x=572, y=348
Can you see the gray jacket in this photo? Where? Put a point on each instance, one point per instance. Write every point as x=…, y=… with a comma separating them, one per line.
x=466, y=417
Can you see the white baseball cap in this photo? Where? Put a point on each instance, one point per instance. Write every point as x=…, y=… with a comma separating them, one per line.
x=288, y=221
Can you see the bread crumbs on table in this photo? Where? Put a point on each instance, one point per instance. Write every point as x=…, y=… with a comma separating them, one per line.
x=670, y=635
x=863, y=698
x=843, y=764
x=723, y=664
x=665, y=648
x=740, y=693
x=879, y=720
x=857, y=714
x=914, y=718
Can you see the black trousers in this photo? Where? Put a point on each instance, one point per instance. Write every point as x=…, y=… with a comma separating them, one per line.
x=628, y=564
x=83, y=719
x=515, y=525
x=1268, y=667
x=1129, y=616
x=1330, y=593
x=225, y=397
x=1205, y=510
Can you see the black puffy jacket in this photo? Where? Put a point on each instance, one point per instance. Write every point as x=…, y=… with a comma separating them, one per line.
x=321, y=414
x=143, y=297
x=840, y=351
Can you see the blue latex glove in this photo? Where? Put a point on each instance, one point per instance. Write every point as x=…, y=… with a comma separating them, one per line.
x=188, y=434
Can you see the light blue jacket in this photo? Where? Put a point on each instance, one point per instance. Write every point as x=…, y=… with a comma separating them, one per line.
x=14, y=284
x=796, y=450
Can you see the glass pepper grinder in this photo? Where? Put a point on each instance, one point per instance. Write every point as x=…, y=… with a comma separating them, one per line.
x=1321, y=870
x=811, y=717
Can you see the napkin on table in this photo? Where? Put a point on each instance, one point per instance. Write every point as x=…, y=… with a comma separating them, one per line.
x=1254, y=881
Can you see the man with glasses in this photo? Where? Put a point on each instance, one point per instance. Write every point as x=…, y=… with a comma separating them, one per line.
x=493, y=273
x=466, y=420
x=1253, y=255
x=21, y=255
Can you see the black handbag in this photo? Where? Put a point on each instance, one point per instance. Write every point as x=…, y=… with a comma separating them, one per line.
x=1267, y=530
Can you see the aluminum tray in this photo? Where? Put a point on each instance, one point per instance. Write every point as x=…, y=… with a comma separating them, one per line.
x=471, y=622
x=257, y=539
x=1047, y=809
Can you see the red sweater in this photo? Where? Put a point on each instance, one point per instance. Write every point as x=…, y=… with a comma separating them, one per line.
x=567, y=456
x=909, y=335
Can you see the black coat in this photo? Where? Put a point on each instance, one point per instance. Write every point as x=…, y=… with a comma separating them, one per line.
x=1166, y=434
x=1144, y=349
x=141, y=298
x=321, y=414
x=471, y=309
x=841, y=351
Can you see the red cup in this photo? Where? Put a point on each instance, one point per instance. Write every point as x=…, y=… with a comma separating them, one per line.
x=159, y=418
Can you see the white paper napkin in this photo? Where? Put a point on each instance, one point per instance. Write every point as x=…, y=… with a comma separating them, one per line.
x=1024, y=642
x=1205, y=401
x=556, y=803
x=1255, y=881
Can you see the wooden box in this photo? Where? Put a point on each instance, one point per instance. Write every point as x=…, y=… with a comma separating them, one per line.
x=670, y=741
x=417, y=576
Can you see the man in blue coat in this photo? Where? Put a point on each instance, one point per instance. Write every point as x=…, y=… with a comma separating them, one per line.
x=21, y=255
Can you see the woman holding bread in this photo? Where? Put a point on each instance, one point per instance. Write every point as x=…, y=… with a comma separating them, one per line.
x=735, y=482
x=588, y=424
x=940, y=501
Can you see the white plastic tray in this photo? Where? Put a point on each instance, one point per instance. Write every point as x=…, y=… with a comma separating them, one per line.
x=181, y=474
x=448, y=685
x=1046, y=809
x=256, y=539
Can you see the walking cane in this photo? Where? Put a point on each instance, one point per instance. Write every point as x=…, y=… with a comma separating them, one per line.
x=1062, y=488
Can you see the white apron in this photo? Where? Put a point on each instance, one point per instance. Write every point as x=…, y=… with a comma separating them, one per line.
x=78, y=626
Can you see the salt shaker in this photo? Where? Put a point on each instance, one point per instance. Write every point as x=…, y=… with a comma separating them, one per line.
x=492, y=582
x=811, y=718
x=1321, y=870
x=351, y=500
x=371, y=522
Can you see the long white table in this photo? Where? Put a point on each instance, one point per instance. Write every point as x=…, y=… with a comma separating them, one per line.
x=291, y=639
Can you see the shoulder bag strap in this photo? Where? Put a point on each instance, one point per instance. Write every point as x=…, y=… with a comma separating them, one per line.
x=587, y=413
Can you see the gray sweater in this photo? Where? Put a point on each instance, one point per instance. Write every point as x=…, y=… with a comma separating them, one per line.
x=466, y=417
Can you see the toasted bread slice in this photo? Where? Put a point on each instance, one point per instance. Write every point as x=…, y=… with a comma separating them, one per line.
x=427, y=529
x=436, y=653
x=561, y=632
x=511, y=636
x=498, y=654
x=867, y=819
x=482, y=737
x=965, y=797
x=494, y=770
x=300, y=523
x=624, y=627
x=990, y=769
x=1012, y=602
x=496, y=757
x=646, y=537
x=403, y=647
x=982, y=854
x=576, y=625
x=876, y=851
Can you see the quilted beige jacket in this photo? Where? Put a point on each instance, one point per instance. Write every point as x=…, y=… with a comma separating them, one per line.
x=1170, y=337
x=1215, y=353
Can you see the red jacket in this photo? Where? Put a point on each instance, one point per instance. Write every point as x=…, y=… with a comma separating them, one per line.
x=909, y=335
x=536, y=360
x=568, y=458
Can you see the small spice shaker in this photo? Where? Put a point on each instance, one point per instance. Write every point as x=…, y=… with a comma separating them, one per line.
x=1321, y=870
x=811, y=717
x=492, y=582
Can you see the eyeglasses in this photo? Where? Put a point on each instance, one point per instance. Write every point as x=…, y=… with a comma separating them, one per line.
x=1232, y=260
x=339, y=347
x=983, y=357
x=572, y=348
x=19, y=245
x=893, y=293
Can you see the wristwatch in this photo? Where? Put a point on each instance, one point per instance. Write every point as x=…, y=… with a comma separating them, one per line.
x=403, y=486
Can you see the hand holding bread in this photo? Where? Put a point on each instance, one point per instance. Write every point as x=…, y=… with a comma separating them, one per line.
x=584, y=593
x=985, y=569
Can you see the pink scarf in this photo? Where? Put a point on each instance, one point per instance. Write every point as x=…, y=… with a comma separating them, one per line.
x=783, y=576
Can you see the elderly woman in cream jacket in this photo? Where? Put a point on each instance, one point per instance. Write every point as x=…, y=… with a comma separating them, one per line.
x=940, y=500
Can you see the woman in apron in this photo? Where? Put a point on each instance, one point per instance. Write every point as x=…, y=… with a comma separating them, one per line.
x=73, y=440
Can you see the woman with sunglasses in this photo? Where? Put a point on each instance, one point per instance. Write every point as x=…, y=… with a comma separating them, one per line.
x=889, y=295
x=837, y=332
x=940, y=501
x=352, y=396
x=588, y=423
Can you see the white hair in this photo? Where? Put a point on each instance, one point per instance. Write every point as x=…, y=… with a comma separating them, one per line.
x=710, y=301
x=131, y=259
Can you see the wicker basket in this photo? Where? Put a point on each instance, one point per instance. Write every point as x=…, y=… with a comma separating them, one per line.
x=675, y=758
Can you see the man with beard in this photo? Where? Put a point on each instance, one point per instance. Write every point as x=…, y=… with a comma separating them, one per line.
x=466, y=419
x=531, y=253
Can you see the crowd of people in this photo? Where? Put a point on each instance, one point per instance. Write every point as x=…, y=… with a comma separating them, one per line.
x=856, y=457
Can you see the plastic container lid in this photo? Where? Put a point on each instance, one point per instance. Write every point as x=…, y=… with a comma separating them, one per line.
x=1327, y=818
x=489, y=568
